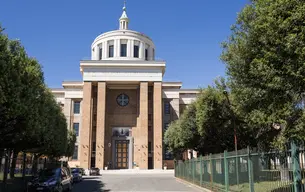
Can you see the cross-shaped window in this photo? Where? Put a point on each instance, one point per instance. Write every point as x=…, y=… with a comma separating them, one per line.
x=122, y=100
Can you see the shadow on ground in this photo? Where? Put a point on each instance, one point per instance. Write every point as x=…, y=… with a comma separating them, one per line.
x=15, y=185
x=92, y=184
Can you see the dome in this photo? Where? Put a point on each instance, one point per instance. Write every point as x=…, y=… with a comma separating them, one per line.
x=123, y=44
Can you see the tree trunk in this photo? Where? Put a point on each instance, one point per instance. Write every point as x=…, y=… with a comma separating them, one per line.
x=23, y=165
x=34, y=166
x=1, y=158
x=13, y=164
x=7, y=154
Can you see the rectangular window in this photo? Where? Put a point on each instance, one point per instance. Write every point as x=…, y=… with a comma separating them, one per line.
x=167, y=108
x=123, y=50
x=101, y=53
x=168, y=154
x=76, y=107
x=93, y=146
x=76, y=129
x=111, y=50
x=165, y=126
x=149, y=147
x=146, y=54
x=75, y=154
x=153, y=54
x=136, y=51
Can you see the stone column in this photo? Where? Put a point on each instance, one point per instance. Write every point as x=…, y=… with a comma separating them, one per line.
x=157, y=147
x=142, y=50
x=117, y=48
x=131, y=48
x=105, y=50
x=100, y=125
x=143, y=129
x=128, y=54
x=85, y=131
x=97, y=52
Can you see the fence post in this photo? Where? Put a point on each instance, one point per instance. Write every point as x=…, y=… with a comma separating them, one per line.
x=225, y=161
x=201, y=171
x=193, y=170
x=250, y=171
x=211, y=169
x=297, y=178
x=175, y=174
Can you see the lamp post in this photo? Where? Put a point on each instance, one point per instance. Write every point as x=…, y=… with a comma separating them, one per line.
x=235, y=137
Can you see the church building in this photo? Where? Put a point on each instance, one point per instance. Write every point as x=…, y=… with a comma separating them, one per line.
x=122, y=107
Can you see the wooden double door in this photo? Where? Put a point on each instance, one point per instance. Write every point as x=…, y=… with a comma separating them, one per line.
x=121, y=154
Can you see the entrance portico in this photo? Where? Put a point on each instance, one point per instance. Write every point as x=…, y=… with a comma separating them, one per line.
x=112, y=104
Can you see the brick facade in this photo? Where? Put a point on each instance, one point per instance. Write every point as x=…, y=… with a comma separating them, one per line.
x=85, y=139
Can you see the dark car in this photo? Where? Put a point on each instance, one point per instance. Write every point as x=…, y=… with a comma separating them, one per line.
x=94, y=171
x=51, y=180
x=77, y=174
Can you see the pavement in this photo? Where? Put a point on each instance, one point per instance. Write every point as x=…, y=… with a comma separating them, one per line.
x=133, y=181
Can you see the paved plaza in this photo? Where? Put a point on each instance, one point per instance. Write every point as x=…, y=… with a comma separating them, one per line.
x=132, y=181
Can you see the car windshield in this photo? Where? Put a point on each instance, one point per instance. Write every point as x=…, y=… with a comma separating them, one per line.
x=47, y=173
x=75, y=170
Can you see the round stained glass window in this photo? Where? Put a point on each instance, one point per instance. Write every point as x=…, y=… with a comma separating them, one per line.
x=122, y=100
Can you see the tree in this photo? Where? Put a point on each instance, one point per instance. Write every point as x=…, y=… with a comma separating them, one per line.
x=207, y=124
x=71, y=144
x=265, y=58
x=183, y=134
x=216, y=118
x=31, y=119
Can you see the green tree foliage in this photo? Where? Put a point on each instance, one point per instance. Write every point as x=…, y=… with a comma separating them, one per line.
x=207, y=125
x=265, y=59
x=30, y=119
x=183, y=134
x=71, y=143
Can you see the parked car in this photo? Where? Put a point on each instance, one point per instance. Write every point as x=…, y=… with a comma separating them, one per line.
x=77, y=174
x=94, y=171
x=52, y=180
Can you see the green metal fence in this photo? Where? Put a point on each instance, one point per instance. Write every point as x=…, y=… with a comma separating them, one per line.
x=247, y=170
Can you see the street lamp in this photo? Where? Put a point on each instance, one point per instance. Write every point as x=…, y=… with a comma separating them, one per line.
x=225, y=92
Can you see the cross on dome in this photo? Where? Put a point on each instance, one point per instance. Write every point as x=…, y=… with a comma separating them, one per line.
x=124, y=8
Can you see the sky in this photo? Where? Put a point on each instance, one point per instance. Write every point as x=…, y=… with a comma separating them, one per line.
x=187, y=34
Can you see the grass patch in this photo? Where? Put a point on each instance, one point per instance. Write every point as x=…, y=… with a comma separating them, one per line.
x=264, y=186
x=18, y=175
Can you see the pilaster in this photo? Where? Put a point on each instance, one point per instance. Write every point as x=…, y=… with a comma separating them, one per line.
x=157, y=147
x=85, y=131
x=100, y=127
x=143, y=129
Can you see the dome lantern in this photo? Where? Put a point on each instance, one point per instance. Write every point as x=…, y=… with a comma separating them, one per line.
x=124, y=20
